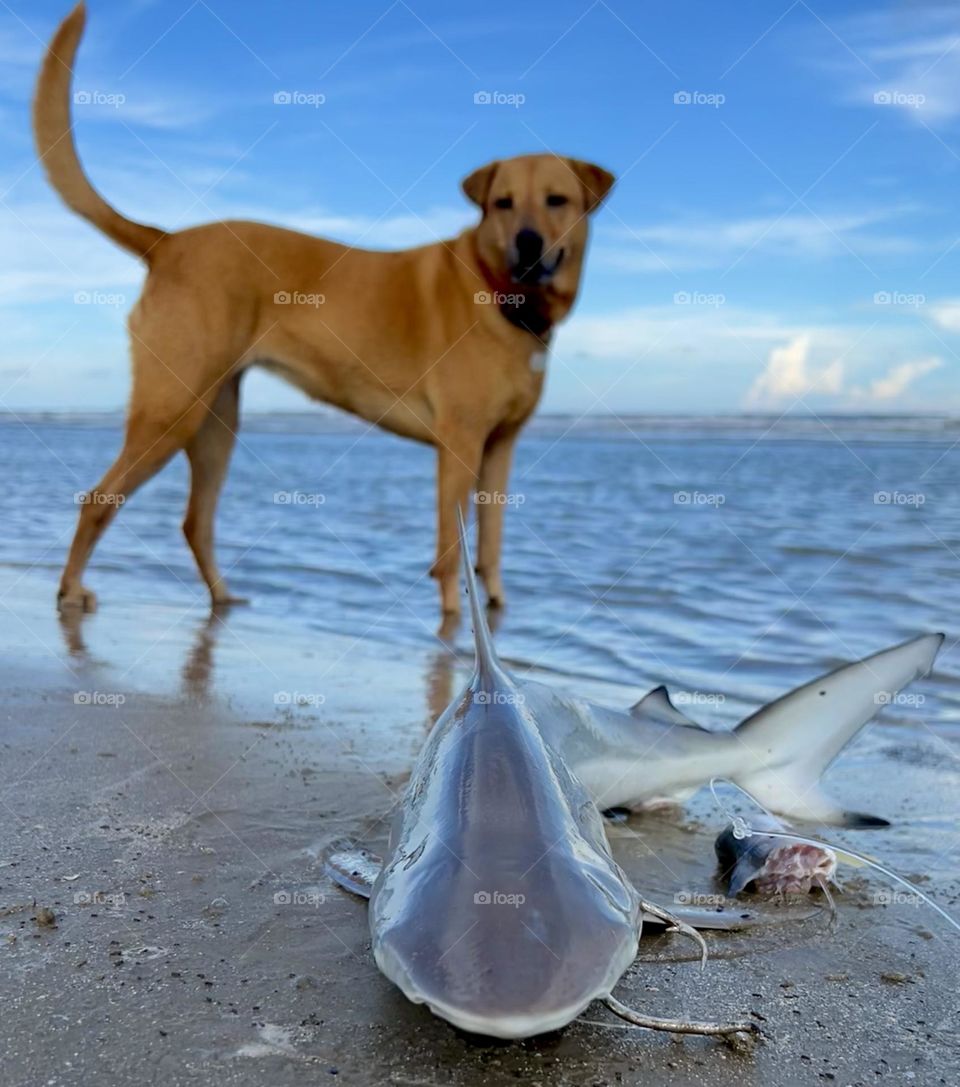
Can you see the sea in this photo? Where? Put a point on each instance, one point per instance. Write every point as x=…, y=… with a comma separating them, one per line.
x=730, y=557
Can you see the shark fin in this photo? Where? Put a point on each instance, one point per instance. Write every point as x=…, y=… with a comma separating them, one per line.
x=657, y=705
x=788, y=744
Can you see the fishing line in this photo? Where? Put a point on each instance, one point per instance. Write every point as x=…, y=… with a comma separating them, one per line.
x=742, y=829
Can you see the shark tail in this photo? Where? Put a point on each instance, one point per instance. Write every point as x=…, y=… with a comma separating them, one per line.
x=488, y=662
x=783, y=749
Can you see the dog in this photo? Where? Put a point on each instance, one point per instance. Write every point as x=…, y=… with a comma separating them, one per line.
x=443, y=343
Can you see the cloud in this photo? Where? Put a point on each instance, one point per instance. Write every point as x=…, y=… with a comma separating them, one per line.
x=19, y=56
x=789, y=376
x=947, y=314
x=684, y=246
x=912, y=66
x=896, y=381
x=145, y=109
x=389, y=232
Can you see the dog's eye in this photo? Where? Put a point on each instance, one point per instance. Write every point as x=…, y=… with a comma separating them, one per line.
x=503, y=202
x=556, y=200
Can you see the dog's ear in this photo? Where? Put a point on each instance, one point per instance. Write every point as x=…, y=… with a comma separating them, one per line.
x=596, y=182
x=476, y=186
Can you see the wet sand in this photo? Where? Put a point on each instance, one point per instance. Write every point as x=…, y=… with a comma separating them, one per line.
x=169, y=782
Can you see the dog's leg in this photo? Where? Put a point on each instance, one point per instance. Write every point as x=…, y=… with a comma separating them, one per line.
x=458, y=461
x=148, y=445
x=491, y=502
x=209, y=455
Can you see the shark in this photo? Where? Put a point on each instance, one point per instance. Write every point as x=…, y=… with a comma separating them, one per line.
x=653, y=752
x=498, y=903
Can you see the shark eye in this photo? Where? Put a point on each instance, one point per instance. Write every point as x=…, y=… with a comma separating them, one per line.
x=503, y=202
x=557, y=200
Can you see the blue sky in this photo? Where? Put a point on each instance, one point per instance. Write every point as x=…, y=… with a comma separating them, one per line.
x=788, y=238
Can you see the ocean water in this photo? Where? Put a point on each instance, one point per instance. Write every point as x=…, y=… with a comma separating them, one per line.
x=730, y=558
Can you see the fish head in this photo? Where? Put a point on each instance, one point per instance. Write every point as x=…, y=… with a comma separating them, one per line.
x=794, y=868
x=770, y=865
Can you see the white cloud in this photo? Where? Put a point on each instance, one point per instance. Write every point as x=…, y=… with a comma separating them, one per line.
x=907, y=63
x=947, y=314
x=687, y=245
x=789, y=375
x=896, y=381
x=722, y=333
x=391, y=232
x=147, y=110
x=19, y=57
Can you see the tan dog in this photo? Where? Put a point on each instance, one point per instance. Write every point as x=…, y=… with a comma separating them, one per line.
x=442, y=343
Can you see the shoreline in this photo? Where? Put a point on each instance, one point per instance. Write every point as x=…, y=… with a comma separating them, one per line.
x=773, y=427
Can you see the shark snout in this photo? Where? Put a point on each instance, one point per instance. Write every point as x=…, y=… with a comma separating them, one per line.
x=512, y=965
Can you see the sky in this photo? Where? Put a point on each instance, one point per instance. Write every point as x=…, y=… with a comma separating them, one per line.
x=784, y=234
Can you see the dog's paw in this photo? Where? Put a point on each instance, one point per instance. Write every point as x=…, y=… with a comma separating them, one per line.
x=78, y=599
x=228, y=600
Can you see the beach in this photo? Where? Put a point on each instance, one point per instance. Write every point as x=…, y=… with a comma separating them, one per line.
x=170, y=779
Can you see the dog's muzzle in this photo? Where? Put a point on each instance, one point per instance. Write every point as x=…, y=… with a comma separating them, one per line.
x=528, y=263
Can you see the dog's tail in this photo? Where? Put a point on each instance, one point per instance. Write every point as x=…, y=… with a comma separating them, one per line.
x=53, y=130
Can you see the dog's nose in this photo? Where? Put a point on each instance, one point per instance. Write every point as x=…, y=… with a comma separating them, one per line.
x=529, y=247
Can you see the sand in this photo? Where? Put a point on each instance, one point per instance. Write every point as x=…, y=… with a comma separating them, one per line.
x=168, y=784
